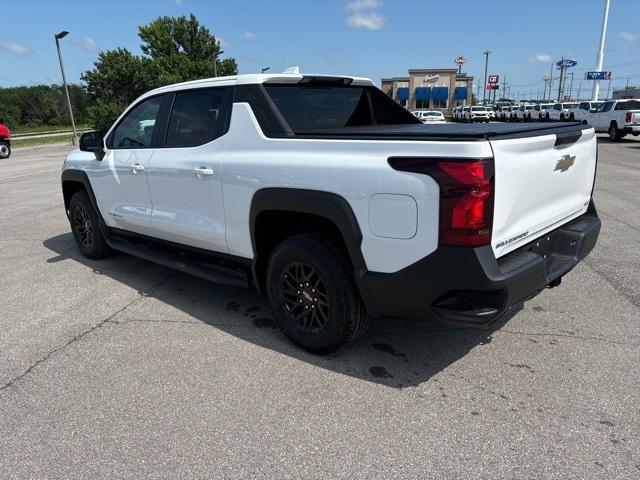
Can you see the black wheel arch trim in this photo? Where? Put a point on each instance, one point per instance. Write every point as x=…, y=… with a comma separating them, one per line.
x=78, y=176
x=328, y=205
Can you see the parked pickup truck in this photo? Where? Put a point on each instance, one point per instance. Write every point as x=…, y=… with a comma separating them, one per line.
x=618, y=118
x=582, y=112
x=560, y=111
x=5, y=142
x=334, y=201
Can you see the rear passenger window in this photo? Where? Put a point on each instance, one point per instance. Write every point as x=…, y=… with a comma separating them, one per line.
x=606, y=106
x=197, y=117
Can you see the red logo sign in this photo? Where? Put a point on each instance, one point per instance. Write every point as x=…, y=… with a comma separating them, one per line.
x=494, y=78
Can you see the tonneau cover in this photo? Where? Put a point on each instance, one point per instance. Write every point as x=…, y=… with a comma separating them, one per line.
x=449, y=131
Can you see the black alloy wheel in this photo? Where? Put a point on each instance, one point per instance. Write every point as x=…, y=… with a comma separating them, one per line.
x=304, y=297
x=83, y=226
x=313, y=295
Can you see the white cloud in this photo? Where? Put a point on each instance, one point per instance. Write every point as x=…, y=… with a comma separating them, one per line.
x=628, y=37
x=15, y=48
x=540, y=57
x=363, y=15
x=87, y=43
x=179, y=2
x=360, y=5
x=249, y=36
x=366, y=21
x=253, y=57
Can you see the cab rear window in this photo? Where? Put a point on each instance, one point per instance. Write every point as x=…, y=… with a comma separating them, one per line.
x=630, y=105
x=311, y=108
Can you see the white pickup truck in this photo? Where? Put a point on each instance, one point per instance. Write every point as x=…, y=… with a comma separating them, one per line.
x=618, y=118
x=560, y=111
x=336, y=202
x=582, y=112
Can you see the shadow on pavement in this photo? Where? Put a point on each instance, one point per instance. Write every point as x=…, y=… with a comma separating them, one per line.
x=396, y=353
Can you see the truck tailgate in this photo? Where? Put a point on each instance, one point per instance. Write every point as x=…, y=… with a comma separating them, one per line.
x=541, y=182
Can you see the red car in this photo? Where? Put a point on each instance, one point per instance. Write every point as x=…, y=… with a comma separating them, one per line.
x=5, y=141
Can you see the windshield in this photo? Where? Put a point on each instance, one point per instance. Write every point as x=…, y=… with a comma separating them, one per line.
x=313, y=107
x=567, y=106
x=433, y=114
x=478, y=109
x=530, y=107
x=547, y=107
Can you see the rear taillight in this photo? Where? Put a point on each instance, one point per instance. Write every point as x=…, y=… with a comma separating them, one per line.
x=627, y=117
x=466, y=196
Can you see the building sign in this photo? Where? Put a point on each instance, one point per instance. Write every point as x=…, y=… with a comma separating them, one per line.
x=494, y=78
x=566, y=63
x=597, y=76
x=432, y=77
x=493, y=86
x=460, y=60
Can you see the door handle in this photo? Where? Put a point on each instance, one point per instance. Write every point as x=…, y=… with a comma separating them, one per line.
x=136, y=167
x=203, y=172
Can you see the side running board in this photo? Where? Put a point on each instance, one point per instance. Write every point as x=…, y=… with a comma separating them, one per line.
x=206, y=271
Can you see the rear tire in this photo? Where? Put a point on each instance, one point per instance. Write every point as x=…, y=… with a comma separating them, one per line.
x=313, y=296
x=85, y=226
x=5, y=149
x=614, y=133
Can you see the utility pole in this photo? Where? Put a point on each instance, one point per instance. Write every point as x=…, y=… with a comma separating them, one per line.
x=486, y=53
x=550, y=80
x=579, y=88
x=570, y=85
x=59, y=36
x=561, y=84
x=600, y=55
x=504, y=86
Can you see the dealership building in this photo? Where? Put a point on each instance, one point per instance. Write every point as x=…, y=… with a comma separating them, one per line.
x=427, y=89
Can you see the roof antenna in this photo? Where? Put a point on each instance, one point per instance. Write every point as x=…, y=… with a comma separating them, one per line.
x=293, y=70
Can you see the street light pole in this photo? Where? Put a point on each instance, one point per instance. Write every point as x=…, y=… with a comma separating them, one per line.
x=58, y=36
x=600, y=55
x=486, y=70
x=264, y=69
x=215, y=62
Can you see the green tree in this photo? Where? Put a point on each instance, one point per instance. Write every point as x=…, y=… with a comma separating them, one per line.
x=175, y=49
x=41, y=106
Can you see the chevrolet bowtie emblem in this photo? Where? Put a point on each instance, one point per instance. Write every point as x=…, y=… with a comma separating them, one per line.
x=565, y=163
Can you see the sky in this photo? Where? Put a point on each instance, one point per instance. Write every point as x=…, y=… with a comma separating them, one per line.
x=370, y=38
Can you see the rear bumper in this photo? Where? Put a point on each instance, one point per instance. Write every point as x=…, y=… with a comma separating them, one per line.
x=469, y=286
x=631, y=129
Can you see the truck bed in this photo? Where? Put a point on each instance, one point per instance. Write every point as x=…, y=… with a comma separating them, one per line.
x=450, y=131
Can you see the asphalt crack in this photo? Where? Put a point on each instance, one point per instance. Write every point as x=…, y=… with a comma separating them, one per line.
x=83, y=334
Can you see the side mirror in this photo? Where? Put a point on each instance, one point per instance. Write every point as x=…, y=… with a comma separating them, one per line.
x=93, y=142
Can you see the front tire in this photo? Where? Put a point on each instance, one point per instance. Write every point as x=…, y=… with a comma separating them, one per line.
x=85, y=226
x=313, y=296
x=5, y=149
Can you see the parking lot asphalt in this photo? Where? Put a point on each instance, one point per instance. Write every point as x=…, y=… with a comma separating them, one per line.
x=124, y=369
